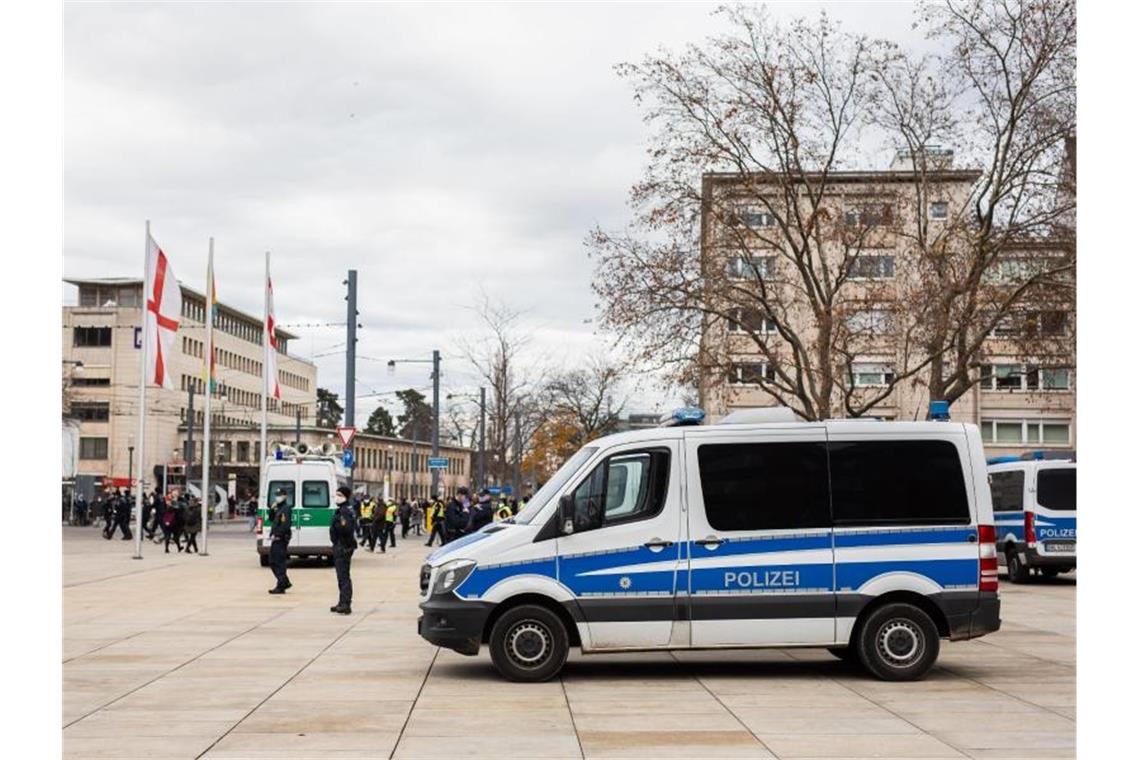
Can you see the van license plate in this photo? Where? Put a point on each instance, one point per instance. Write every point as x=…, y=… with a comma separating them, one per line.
x=1062, y=546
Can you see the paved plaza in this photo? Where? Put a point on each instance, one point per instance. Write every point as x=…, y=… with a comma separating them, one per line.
x=180, y=656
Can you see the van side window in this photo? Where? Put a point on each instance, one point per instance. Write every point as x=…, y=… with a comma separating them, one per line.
x=290, y=491
x=1007, y=490
x=905, y=482
x=315, y=494
x=625, y=487
x=1057, y=488
x=764, y=486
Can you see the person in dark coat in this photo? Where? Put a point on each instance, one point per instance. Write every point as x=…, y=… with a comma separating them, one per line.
x=483, y=512
x=192, y=525
x=170, y=526
x=405, y=517
x=456, y=516
x=281, y=519
x=342, y=533
x=122, y=517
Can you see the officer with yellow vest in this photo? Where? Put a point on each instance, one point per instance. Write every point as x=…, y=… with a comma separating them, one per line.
x=434, y=512
x=390, y=513
x=367, y=511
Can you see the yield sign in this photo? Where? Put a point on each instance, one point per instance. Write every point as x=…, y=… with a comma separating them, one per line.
x=346, y=435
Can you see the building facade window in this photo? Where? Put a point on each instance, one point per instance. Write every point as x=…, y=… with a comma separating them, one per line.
x=1026, y=432
x=92, y=448
x=1024, y=377
x=751, y=320
x=91, y=382
x=91, y=337
x=870, y=215
x=939, y=210
x=751, y=373
x=871, y=374
x=751, y=268
x=91, y=411
x=873, y=321
x=753, y=216
x=880, y=266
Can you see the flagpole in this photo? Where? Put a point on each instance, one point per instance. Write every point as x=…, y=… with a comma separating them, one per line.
x=264, y=386
x=206, y=448
x=142, y=400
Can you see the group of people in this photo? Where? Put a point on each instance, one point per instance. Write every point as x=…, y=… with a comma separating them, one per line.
x=178, y=516
x=363, y=520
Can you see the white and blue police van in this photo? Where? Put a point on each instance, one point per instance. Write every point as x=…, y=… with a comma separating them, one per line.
x=872, y=539
x=1035, y=513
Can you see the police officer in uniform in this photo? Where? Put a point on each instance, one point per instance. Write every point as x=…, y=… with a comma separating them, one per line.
x=436, y=511
x=281, y=515
x=342, y=532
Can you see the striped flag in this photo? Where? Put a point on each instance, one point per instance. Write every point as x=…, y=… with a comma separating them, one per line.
x=273, y=388
x=163, y=310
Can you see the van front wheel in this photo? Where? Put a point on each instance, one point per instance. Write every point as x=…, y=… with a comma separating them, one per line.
x=529, y=643
x=898, y=642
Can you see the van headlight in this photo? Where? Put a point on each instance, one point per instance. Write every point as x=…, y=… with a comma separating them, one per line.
x=450, y=574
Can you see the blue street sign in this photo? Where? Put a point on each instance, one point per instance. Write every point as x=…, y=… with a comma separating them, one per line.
x=508, y=490
x=347, y=458
x=495, y=490
x=437, y=463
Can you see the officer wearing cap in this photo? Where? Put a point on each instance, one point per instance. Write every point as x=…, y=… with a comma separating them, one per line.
x=342, y=532
x=455, y=517
x=281, y=517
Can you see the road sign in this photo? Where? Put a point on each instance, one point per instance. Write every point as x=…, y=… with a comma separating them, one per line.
x=437, y=463
x=347, y=458
x=508, y=490
x=346, y=435
x=495, y=490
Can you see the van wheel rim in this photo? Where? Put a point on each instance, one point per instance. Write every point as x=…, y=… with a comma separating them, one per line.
x=900, y=643
x=529, y=644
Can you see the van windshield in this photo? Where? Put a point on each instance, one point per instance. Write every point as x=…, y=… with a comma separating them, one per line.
x=554, y=485
x=1057, y=488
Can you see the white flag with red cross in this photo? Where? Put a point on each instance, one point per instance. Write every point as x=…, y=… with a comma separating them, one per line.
x=271, y=344
x=163, y=310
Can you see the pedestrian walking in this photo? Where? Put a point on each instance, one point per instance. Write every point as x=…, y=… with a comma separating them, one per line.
x=390, y=513
x=405, y=517
x=436, y=512
x=109, y=505
x=281, y=517
x=170, y=527
x=80, y=510
x=193, y=525
x=342, y=533
x=122, y=517
x=418, y=517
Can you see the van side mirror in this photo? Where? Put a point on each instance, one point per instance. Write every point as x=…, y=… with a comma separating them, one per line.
x=566, y=514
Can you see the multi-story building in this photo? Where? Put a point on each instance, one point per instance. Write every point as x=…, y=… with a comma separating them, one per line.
x=1024, y=395
x=101, y=355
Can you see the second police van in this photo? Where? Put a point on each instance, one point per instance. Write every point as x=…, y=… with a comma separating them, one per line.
x=872, y=539
x=310, y=478
x=1035, y=509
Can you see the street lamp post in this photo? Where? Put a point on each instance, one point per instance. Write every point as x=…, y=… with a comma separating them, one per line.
x=130, y=461
x=434, y=360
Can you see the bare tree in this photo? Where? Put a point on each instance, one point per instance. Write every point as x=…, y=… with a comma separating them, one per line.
x=752, y=235
x=587, y=398
x=513, y=390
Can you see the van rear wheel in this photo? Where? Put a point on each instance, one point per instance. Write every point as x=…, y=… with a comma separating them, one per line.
x=898, y=642
x=529, y=643
x=1018, y=572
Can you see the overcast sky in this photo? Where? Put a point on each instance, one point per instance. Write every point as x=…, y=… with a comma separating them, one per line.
x=437, y=149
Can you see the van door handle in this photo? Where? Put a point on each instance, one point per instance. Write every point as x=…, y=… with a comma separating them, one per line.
x=972, y=538
x=711, y=542
x=657, y=544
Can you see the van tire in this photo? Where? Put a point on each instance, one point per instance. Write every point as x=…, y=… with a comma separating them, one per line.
x=1018, y=572
x=529, y=643
x=898, y=642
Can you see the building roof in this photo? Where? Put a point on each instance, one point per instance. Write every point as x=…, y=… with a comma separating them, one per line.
x=127, y=281
x=850, y=177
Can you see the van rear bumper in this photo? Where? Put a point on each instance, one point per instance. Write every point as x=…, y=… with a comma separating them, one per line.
x=983, y=619
x=453, y=623
x=1035, y=558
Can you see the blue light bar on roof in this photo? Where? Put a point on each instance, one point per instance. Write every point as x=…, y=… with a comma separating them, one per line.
x=688, y=415
x=939, y=410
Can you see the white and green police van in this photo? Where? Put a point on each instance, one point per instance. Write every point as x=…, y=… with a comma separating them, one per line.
x=1035, y=512
x=872, y=539
x=310, y=478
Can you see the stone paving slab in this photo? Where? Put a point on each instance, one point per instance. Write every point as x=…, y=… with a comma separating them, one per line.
x=178, y=656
